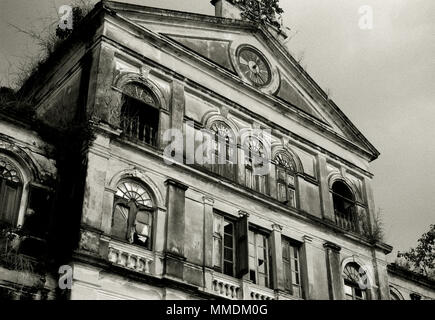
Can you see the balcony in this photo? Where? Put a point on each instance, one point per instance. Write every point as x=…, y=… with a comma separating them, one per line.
x=231, y=288
x=347, y=221
x=136, y=130
x=254, y=292
x=226, y=287
x=131, y=257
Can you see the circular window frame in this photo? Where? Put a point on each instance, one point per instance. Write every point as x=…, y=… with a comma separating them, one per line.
x=251, y=48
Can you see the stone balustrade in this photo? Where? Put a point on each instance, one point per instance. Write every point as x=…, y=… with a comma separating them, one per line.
x=259, y=293
x=225, y=287
x=130, y=257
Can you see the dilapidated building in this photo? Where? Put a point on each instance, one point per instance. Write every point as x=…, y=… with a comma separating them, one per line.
x=102, y=186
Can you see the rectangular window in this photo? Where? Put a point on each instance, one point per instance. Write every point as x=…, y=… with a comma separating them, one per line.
x=291, y=264
x=259, y=267
x=224, y=245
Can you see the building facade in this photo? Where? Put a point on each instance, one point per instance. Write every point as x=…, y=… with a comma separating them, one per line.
x=215, y=167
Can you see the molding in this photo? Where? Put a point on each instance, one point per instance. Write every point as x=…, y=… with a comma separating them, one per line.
x=410, y=275
x=334, y=247
x=176, y=183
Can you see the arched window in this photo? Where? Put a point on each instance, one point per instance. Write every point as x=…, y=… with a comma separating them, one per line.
x=285, y=178
x=395, y=294
x=133, y=214
x=255, y=158
x=224, y=150
x=355, y=282
x=140, y=114
x=344, y=206
x=10, y=192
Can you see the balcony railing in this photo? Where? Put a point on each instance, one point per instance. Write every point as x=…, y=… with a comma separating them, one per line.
x=226, y=287
x=239, y=289
x=347, y=220
x=136, y=129
x=130, y=257
x=260, y=293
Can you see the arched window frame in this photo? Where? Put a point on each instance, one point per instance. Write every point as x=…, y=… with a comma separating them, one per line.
x=395, y=294
x=355, y=282
x=140, y=113
x=286, y=169
x=224, y=148
x=255, y=156
x=12, y=184
x=130, y=208
x=345, y=220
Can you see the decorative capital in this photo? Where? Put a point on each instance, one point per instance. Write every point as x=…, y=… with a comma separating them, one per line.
x=177, y=184
x=243, y=213
x=276, y=227
x=332, y=246
x=208, y=200
x=307, y=239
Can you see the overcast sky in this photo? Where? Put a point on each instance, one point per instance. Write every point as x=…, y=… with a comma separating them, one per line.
x=383, y=79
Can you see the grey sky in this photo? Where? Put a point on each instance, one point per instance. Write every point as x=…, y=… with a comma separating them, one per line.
x=383, y=79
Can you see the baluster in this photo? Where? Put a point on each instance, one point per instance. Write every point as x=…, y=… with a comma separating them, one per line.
x=137, y=127
x=147, y=266
x=144, y=138
x=151, y=142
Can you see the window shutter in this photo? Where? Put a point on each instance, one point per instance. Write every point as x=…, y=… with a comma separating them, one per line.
x=242, y=246
x=217, y=242
x=119, y=224
x=9, y=205
x=286, y=259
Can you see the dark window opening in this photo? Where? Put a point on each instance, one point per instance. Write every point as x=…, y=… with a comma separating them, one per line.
x=344, y=206
x=140, y=120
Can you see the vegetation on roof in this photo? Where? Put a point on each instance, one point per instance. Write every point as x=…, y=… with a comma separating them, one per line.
x=261, y=11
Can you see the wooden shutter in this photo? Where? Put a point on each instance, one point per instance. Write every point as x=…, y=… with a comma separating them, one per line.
x=9, y=202
x=286, y=259
x=217, y=241
x=242, y=246
x=120, y=218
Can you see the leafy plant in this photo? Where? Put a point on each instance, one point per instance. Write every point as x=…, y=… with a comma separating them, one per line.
x=421, y=259
x=261, y=11
x=374, y=232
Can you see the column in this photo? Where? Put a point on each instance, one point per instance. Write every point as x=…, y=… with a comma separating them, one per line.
x=208, y=232
x=307, y=265
x=277, y=265
x=335, y=286
x=273, y=192
x=327, y=206
x=174, y=251
x=178, y=105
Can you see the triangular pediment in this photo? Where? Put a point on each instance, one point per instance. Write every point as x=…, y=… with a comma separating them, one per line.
x=218, y=41
x=215, y=50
